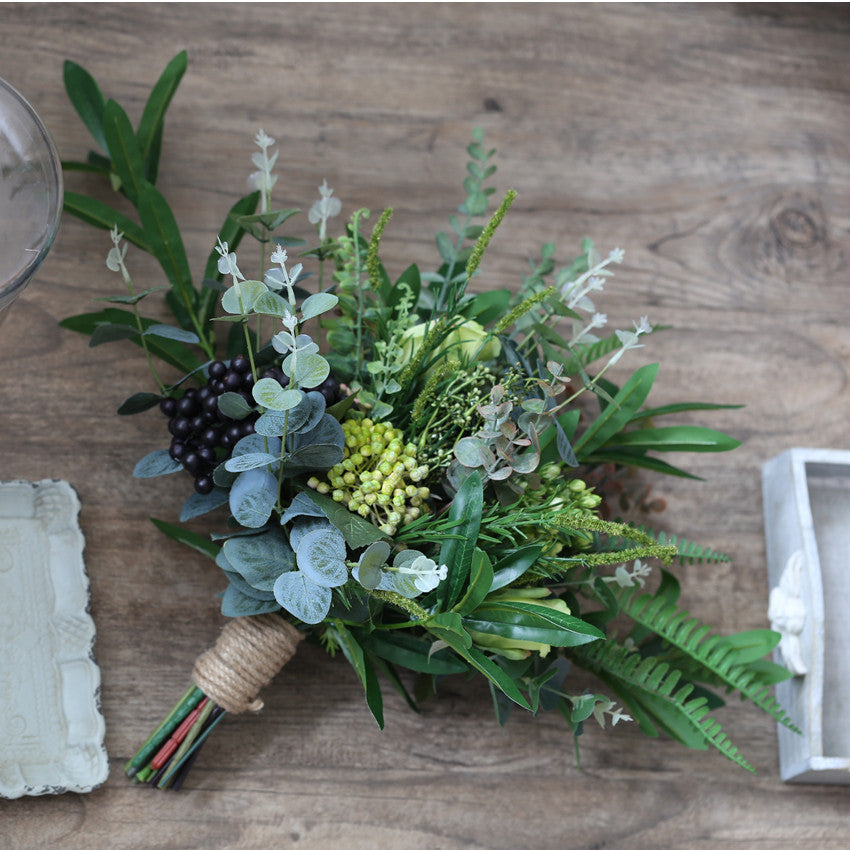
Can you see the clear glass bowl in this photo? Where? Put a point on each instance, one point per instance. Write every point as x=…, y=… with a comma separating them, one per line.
x=30, y=193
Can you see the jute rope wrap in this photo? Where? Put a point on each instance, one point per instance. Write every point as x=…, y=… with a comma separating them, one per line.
x=249, y=653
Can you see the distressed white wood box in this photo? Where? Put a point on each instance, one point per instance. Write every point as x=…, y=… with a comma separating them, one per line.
x=807, y=528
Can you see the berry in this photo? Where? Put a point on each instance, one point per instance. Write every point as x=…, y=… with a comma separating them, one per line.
x=240, y=364
x=168, y=406
x=217, y=369
x=204, y=484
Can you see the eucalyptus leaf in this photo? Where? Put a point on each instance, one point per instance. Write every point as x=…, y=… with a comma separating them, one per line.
x=243, y=587
x=317, y=304
x=239, y=298
x=199, y=504
x=308, y=370
x=321, y=557
x=271, y=304
x=270, y=394
x=156, y=463
x=252, y=497
x=260, y=558
x=302, y=597
x=301, y=506
x=254, y=460
x=234, y=603
x=234, y=406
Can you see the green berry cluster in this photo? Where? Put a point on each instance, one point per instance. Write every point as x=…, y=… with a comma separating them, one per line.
x=562, y=496
x=380, y=477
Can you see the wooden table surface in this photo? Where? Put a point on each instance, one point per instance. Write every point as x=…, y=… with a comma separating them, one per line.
x=710, y=142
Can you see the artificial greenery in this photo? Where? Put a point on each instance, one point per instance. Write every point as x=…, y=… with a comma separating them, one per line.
x=413, y=491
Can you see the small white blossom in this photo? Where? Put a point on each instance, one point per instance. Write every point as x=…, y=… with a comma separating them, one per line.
x=598, y=320
x=323, y=209
x=617, y=255
x=637, y=576
x=263, y=180
x=428, y=574
x=606, y=706
x=227, y=261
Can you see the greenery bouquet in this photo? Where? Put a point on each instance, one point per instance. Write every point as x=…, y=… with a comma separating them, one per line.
x=414, y=474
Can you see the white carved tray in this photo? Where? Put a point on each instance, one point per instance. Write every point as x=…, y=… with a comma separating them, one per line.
x=51, y=726
x=807, y=527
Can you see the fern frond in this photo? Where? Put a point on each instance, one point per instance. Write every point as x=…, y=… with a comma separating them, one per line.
x=691, y=637
x=610, y=661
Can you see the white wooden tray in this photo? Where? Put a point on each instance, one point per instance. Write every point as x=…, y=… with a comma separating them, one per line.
x=51, y=726
x=807, y=527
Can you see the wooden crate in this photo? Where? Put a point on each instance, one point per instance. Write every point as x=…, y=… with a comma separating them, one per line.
x=807, y=526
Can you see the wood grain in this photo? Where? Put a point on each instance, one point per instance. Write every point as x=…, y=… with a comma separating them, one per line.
x=709, y=141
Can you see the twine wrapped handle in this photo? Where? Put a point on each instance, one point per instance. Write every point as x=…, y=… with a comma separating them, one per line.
x=249, y=653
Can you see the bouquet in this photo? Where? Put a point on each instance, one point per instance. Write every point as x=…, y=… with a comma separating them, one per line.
x=415, y=473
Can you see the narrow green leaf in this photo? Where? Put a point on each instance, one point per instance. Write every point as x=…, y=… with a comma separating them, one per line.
x=512, y=566
x=158, y=101
x=358, y=659
x=675, y=438
x=682, y=407
x=86, y=97
x=413, y=654
x=480, y=582
x=456, y=554
x=163, y=234
x=615, y=416
x=195, y=541
x=124, y=150
x=102, y=215
x=139, y=402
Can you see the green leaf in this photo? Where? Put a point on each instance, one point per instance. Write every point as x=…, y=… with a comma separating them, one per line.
x=111, y=333
x=139, y=402
x=87, y=99
x=358, y=659
x=240, y=298
x=151, y=123
x=636, y=458
x=169, y=332
x=357, y=531
x=512, y=566
x=752, y=645
x=198, y=542
x=681, y=407
x=461, y=642
x=162, y=231
x=101, y=215
x=124, y=150
x=130, y=299
x=413, y=653
x=456, y=553
x=529, y=622
x=174, y=353
x=252, y=460
x=675, y=438
x=615, y=416
x=480, y=582
x=310, y=369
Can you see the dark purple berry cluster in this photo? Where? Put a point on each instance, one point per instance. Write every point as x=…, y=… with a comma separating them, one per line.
x=202, y=436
